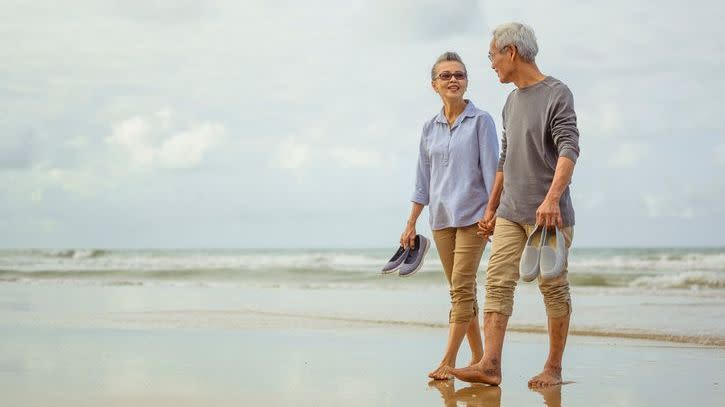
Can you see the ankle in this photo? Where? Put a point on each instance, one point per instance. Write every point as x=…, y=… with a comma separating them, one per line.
x=553, y=367
x=448, y=362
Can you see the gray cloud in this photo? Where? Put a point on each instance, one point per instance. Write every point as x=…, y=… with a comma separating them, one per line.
x=17, y=150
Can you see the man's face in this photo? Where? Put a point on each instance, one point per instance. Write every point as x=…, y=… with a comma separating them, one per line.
x=501, y=62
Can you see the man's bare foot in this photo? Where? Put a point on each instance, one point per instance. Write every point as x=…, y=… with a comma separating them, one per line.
x=485, y=371
x=550, y=376
x=442, y=372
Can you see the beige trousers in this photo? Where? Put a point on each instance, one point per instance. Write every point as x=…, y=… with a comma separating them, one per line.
x=460, y=250
x=509, y=239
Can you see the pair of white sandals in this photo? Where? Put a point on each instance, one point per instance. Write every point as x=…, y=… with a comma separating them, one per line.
x=544, y=259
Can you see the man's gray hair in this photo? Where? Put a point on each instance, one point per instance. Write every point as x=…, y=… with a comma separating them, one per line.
x=519, y=35
x=446, y=56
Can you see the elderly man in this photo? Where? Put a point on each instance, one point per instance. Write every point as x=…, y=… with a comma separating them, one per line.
x=540, y=145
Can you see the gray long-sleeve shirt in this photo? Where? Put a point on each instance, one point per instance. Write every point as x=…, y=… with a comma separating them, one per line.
x=539, y=126
x=456, y=167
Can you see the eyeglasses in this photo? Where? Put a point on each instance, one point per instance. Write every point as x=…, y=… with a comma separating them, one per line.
x=446, y=76
x=490, y=55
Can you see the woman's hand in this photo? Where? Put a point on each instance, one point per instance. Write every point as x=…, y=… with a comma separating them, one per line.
x=487, y=223
x=408, y=236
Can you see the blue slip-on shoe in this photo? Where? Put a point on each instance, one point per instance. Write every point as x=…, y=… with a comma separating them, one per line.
x=414, y=260
x=529, y=264
x=395, y=261
x=552, y=260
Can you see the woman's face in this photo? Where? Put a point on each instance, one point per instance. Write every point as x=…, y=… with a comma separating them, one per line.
x=451, y=80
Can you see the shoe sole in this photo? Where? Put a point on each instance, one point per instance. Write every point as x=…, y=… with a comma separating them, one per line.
x=420, y=265
x=391, y=271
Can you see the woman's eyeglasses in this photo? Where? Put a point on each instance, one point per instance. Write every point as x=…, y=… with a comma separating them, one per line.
x=446, y=76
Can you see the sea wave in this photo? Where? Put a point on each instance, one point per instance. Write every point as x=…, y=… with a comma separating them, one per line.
x=692, y=279
x=75, y=253
x=646, y=269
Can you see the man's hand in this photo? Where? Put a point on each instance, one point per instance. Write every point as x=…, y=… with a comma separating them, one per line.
x=487, y=223
x=549, y=214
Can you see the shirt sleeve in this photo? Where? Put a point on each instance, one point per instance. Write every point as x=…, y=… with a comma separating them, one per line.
x=502, y=158
x=563, y=125
x=488, y=151
x=422, y=177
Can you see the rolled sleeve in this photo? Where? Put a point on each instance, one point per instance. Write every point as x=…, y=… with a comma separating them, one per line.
x=564, y=130
x=502, y=158
x=488, y=152
x=421, y=194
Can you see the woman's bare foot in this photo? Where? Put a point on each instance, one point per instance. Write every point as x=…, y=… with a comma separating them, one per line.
x=475, y=359
x=485, y=371
x=442, y=372
x=550, y=376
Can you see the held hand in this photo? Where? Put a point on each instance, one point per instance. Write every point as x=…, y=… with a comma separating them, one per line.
x=549, y=214
x=407, y=238
x=487, y=223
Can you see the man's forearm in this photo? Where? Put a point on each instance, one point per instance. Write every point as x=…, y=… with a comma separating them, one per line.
x=495, y=199
x=562, y=178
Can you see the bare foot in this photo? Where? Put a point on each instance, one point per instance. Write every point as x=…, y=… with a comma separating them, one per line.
x=442, y=372
x=485, y=371
x=550, y=376
x=475, y=359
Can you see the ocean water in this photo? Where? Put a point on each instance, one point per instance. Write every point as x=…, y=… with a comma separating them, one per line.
x=700, y=270
x=675, y=295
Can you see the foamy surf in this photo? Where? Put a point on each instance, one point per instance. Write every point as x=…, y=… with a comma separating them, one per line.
x=647, y=269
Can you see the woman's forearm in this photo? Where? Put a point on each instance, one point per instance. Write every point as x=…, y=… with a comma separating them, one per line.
x=414, y=213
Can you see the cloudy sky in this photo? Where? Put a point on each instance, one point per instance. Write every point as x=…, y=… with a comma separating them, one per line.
x=275, y=123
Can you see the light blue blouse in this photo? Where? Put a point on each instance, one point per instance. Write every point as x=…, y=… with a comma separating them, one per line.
x=457, y=167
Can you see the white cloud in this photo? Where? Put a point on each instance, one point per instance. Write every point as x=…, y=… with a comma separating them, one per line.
x=134, y=135
x=628, y=155
x=348, y=157
x=659, y=206
x=150, y=141
x=291, y=155
x=187, y=148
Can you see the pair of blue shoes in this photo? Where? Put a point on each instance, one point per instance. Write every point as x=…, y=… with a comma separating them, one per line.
x=408, y=261
x=544, y=259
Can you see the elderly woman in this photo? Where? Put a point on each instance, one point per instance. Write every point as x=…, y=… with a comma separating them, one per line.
x=456, y=170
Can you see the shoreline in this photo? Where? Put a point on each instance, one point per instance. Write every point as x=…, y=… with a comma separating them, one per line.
x=183, y=318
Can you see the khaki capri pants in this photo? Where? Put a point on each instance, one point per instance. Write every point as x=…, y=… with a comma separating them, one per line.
x=509, y=239
x=460, y=250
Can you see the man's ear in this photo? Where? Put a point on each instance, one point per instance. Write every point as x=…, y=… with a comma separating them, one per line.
x=512, y=52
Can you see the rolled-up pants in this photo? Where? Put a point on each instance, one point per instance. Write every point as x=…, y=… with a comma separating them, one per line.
x=509, y=239
x=460, y=250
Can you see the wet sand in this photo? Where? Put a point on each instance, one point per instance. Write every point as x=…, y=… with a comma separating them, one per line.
x=139, y=349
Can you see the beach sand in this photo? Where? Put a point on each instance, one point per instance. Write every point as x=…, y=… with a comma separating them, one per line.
x=156, y=346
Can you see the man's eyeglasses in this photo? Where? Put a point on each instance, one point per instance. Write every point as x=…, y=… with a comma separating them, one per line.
x=490, y=55
x=446, y=76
